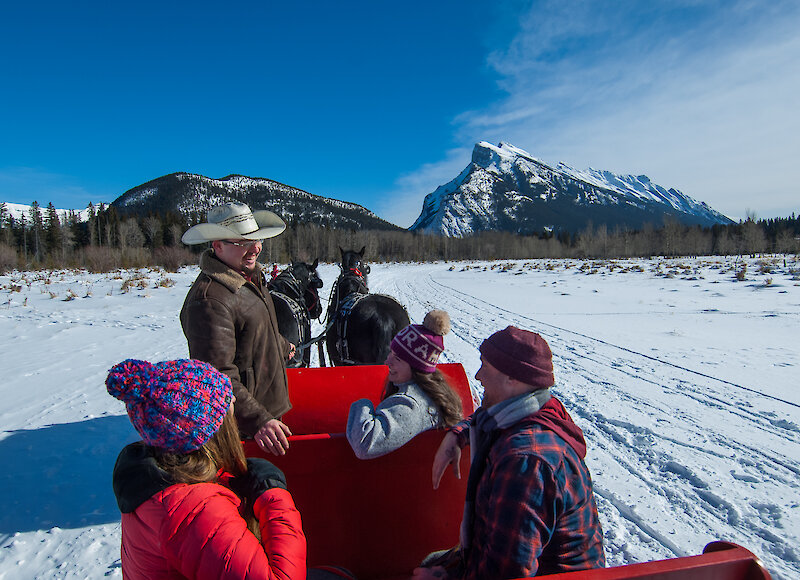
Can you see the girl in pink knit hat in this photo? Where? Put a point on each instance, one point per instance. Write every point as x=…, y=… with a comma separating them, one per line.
x=416, y=398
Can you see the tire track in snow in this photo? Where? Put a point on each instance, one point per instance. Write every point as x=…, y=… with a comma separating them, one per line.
x=655, y=359
x=635, y=371
x=655, y=376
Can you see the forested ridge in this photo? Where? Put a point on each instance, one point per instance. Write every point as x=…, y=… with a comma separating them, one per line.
x=41, y=239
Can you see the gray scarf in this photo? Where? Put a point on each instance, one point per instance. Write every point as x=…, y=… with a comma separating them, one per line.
x=483, y=430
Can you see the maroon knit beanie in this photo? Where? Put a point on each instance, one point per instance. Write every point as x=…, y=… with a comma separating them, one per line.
x=520, y=354
x=421, y=344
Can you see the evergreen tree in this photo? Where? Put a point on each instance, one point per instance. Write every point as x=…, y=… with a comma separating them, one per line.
x=52, y=230
x=6, y=222
x=37, y=230
x=22, y=236
x=92, y=225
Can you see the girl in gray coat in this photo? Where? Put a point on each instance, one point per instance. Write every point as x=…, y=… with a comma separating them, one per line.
x=416, y=398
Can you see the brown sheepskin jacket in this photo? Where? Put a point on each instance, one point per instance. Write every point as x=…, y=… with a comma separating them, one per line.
x=230, y=323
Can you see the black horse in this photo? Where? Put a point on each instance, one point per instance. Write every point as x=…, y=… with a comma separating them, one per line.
x=294, y=293
x=360, y=325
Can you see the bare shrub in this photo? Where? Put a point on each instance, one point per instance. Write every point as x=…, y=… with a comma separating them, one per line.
x=100, y=259
x=137, y=280
x=135, y=258
x=171, y=258
x=8, y=258
x=765, y=267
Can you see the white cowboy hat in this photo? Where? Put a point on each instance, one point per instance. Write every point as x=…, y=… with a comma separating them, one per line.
x=235, y=221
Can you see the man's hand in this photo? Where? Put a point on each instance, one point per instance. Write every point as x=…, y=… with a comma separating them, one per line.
x=448, y=452
x=292, y=350
x=273, y=437
x=433, y=573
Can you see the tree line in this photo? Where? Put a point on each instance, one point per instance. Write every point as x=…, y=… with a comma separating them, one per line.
x=106, y=240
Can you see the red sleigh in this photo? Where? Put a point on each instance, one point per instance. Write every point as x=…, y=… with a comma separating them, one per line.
x=380, y=517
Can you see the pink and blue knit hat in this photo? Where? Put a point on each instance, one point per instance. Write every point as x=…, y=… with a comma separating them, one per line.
x=174, y=405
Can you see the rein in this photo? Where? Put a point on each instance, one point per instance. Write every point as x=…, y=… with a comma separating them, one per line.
x=310, y=304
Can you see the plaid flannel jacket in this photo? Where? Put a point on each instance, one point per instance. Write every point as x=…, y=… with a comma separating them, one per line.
x=535, y=510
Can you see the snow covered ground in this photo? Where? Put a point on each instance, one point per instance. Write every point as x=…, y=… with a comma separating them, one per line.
x=684, y=379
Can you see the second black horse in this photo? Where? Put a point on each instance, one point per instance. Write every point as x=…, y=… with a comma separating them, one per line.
x=360, y=325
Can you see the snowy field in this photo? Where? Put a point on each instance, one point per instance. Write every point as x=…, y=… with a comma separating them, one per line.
x=683, y=378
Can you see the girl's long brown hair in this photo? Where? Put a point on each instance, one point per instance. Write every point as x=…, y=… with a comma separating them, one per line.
x=224, y=452
x=435, y=385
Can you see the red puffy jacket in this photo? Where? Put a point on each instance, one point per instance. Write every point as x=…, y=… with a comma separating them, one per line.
x=195, y=531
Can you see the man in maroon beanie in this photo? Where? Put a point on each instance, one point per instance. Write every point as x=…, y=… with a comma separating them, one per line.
x=529, y=508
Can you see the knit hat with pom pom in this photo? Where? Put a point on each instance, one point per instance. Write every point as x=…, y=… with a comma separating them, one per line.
x=174, y=405
x=421, y=344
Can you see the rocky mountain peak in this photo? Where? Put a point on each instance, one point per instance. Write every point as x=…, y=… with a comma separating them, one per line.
x=504, y=188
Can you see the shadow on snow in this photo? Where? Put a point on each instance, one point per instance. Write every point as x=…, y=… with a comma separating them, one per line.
x=60, y=475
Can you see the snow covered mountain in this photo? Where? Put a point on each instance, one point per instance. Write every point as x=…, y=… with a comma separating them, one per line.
x=504, y=188
x=192, y=195
x=19, y=211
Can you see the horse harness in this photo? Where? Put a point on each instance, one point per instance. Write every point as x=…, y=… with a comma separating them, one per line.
x=287, y=281
x=300, y=314
x=342, y=318
x=351, y=274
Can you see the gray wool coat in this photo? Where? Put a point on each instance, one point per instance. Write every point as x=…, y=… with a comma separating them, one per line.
x=375, y=431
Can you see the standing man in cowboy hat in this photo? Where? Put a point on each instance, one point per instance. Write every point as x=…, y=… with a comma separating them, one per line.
x=229, y=319
x=530, y=509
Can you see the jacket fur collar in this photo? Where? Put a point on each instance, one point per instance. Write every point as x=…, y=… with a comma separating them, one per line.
x=219, y=271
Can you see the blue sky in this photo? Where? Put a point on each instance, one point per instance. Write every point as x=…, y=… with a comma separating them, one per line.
x=379, y=103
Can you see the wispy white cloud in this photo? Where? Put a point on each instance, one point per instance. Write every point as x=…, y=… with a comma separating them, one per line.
x=699, y=95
